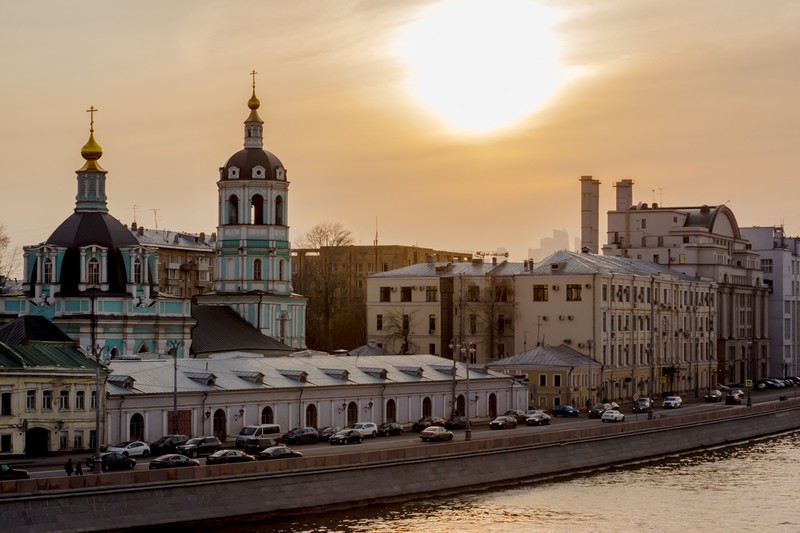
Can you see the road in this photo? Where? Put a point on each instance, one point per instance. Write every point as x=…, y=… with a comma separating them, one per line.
x=53, y=466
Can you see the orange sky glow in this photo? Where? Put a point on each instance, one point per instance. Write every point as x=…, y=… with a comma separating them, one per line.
x=436, y=123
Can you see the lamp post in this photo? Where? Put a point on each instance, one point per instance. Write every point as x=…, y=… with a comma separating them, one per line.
x=467, y=351
x=174, y=346
x=98, y=353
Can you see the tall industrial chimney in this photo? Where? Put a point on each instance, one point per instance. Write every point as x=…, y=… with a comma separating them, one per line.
x=590, y=214
x=624, y=194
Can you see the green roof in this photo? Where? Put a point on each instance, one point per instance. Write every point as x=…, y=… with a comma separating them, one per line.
x=45, y=355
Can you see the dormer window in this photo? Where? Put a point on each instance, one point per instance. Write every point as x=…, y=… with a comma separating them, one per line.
x=280, y=174
x=93, y=271
x=233, y=173
x=259, y=173
x=48, y=270
x=137, y=270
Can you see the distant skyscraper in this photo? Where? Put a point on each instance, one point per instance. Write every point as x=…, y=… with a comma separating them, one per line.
x=550, y=245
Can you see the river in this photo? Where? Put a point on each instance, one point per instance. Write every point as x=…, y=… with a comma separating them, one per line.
x=748, y=487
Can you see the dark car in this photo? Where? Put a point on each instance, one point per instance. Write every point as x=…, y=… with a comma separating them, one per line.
x=538, y=419
x=253, y=446
x=200, y=446
x=223, y=457
x=306, y=435
x=347, y=436
x=713, y=395
x=167, y=444
x=388, y=429
x=111, y=461
x=328, y=431
x=426, y=422
x=503, y=422
x=172, y=460
x=456, y=422
x=642, y=405
x=9, y=472
x=565, y=410
x=277, y=452
x=600, y=408
x=518, y=414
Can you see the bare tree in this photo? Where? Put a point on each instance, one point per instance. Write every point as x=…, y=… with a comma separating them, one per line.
x=8, y=255
x=326, y=234
x=398, y=330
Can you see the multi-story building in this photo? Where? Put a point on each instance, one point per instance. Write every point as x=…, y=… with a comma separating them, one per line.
x=649, y=329
x=185, y=260
x=439, y=307
x=780, y=263
x=334, y=280
x=703, y=242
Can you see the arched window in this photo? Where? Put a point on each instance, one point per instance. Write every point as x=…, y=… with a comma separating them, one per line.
x=311, y=416
x=93, y=272
x=144, y=348
x=233, y=209
x=48, y=270
x=460, y=405
x=267, y=417
x=427, y=407
x=257, y=270
x=136, y=430
x=352, y=414
x=280, y=270
x=137, y=270
x=279, y=214
x=391, y=411
x=257, y=210
x=492, y=405
x=219, y=425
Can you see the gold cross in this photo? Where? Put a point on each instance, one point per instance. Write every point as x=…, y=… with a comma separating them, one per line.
x=92, y=111
x=254, y=78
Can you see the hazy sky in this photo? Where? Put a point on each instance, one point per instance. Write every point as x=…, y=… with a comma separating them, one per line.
x=443, y=126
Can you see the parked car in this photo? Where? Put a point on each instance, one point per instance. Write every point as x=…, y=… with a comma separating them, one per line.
x=253, y=446
x=222, y=457
x=565, y=410
x=518, y=414
x=503, y=422
x=347, y=436
x=367, y=429
x=134, y=448
x=612, y=415
x=714, y=395
x=456, y=422
x=388, y=429
x=642, y=405
x=257, y=431
x=9, y=472
x=200, y=446
x=305, y=435
x=111, y=461
x=326, y=432
x=172, y=460
x=437, y=433
x=672, y=402
x=167, y=444
x=427, y=421
x=539, y=418
x=277, y=452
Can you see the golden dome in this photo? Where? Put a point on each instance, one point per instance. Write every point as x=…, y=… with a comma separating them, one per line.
x=91, y=152
x=253, y=103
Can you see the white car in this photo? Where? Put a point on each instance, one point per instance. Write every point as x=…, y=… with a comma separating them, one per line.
x=132, y=448
x=672, y=402
x=612, y=415
x=367, y=429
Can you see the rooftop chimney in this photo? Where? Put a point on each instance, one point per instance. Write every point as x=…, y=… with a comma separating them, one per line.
x=624, y=194
x=590, y=214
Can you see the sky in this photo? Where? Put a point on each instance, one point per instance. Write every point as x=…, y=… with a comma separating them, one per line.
x=456, y=124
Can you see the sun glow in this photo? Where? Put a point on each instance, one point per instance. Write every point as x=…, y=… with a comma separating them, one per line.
x=482, y=66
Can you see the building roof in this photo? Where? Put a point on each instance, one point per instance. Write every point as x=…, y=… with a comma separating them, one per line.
x=163, y=238
x=45, y=356
x=449, y=269
x=234, y=372
x=543, y=357
x=31, y=328
x=368, y=349
x=587, y=263
x=220, y=329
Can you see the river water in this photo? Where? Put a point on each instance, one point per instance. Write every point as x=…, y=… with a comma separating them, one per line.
x=749, y=487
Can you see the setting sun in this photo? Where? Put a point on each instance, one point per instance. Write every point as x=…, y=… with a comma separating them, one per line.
x=482, y=66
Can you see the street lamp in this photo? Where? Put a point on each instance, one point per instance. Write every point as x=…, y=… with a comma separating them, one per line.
x=467, y=351
x=174, y=346
x=98, y=353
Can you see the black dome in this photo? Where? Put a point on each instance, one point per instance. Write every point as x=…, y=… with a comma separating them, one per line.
x=245, y=160
x=84, y=229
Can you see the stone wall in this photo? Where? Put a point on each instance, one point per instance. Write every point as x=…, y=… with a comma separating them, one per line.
x=139, y=498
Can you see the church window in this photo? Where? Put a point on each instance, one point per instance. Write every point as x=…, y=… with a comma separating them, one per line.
x=137, y=270
x=48, y=270
x=259, y=173
x=280, y=270
x=279, y=214
x=257, y=270
x=93, y=272
x=257, y=210
x=91, y=187
x=233, y=209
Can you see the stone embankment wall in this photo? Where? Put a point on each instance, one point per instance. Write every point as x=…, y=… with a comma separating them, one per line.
x=140, y=498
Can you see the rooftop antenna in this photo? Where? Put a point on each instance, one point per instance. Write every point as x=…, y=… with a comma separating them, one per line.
x=376, y=232
x=134, y=214
x=155, y=216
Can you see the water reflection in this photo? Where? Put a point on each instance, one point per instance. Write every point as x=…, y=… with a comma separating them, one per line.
x=750, y=487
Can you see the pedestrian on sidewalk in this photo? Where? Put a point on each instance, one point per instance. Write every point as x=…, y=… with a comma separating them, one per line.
x=68, y=467
x=78, y=469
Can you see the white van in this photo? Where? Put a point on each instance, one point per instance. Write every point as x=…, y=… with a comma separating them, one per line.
x=256, y=432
